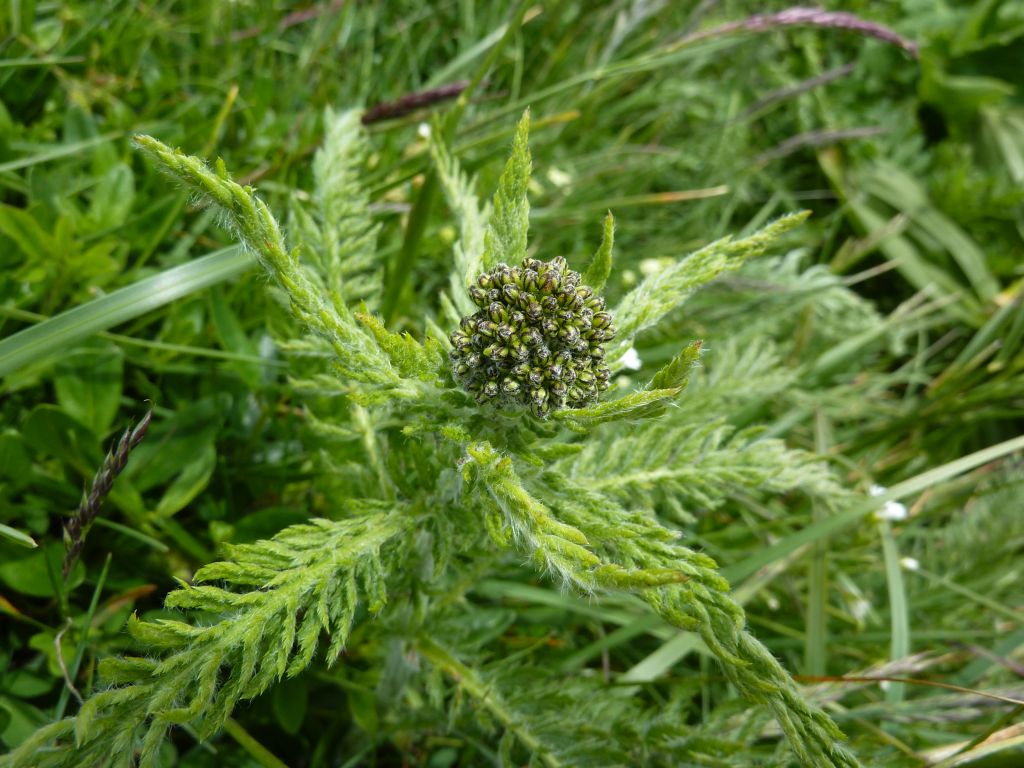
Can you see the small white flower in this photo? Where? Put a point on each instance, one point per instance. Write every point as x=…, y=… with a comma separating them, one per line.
x=860, y=608
x=559, y=177
x=631, y=360
x=910, y=563
x=892, y=510
x=650, y=267
x=423, y=129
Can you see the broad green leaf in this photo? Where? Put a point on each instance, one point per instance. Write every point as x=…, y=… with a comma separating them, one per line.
x=22, y=719
x=363, y=706
x=28, y=234
x=50, y=430
x=190, y=482
x=88, y=382
x=27, y=684
x=290, y=699
x=27, y=572
x=113, y=197
x=233, y=338
x=15, y=463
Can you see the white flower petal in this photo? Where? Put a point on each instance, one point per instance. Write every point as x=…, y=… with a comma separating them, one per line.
x=631, y=360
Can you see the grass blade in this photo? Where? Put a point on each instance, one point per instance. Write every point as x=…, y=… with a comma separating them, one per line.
x=18, y=537
x=836, y=523
x=58, y=333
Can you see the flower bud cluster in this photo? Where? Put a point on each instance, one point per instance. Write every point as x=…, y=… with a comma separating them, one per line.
x=538, y=339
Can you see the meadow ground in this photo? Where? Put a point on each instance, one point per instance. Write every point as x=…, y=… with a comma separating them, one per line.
x=848, y=449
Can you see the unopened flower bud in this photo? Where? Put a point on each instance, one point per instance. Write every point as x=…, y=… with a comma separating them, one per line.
x=478, y=295
x=537, y=340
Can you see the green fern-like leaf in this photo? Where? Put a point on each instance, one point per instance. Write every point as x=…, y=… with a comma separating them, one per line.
x=589, y=543
x=460, y=193
x=355, y=354
x=601, y=265
x=663, y=291
x=552, y=719
x=505, y=238
x=339, y=238
x=698, y=466
x=272, y=601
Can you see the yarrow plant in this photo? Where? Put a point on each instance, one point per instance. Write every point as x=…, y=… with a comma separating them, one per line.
x=444, y=490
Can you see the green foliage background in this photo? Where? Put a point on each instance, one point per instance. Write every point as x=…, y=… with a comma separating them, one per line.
x=877, y=344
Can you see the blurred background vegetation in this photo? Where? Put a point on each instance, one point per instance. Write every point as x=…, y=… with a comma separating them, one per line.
x=690, y=121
